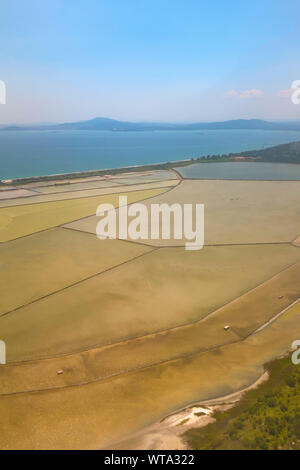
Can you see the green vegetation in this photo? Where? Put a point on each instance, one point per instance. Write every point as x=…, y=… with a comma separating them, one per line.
x=266, y=418
x=89, y=173
x=284, y=153
x=288, y=153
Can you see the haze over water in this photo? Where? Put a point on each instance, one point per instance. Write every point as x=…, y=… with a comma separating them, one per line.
x=35, y=153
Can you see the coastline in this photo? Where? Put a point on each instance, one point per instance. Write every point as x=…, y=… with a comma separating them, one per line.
x=171, y=165
x=168, y=433
x=100, y=172
x=253, y=156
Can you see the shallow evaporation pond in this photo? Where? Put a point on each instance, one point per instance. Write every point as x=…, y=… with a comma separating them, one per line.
x=242, y=171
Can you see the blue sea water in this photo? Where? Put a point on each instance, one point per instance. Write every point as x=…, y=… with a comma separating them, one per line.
x=34, y=153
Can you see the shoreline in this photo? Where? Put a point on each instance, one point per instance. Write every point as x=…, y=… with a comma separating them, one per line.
x=282, y=155
x=99, y=172
x=162, y=166
x=168, y=433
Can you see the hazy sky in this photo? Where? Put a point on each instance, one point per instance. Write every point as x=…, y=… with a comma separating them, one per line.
x=163, y=60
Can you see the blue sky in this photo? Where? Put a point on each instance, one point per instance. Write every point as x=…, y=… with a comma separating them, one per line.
x=66, y=60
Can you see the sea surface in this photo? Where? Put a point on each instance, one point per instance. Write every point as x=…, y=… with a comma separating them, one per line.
x=35, y=153
x=242, y=171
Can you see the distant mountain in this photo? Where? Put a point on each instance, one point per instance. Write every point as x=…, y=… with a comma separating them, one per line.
x=20, y=127
x=255, y=124
x=105, y=124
